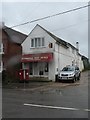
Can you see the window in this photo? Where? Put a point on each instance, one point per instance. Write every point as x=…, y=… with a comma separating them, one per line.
x=42, y=41
x=1, y=66
x=1, y=48
x=37, y=42
x=31, y=68
x=32, y=42
x=77, y=68
x=46, y=67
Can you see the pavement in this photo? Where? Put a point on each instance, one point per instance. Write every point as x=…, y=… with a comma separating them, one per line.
x=37, y=85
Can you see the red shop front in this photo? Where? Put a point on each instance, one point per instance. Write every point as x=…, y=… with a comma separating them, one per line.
x=38, y=64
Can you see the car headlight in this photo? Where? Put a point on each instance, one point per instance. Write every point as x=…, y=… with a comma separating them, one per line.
x=59, y=74
x=71, y=74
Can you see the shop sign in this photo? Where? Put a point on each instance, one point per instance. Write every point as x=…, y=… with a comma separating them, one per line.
x=37, y=57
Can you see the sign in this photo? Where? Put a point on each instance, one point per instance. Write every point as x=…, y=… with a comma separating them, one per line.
x=43, y=57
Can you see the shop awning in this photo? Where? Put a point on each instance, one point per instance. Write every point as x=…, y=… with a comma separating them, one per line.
x=41, y=57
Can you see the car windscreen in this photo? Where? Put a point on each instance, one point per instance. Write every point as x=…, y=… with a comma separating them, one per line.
x=68, y=69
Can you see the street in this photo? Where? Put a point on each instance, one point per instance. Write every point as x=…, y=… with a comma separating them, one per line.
x=53, y=100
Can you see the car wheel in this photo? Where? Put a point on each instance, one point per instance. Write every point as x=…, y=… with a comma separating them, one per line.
x=78, y=77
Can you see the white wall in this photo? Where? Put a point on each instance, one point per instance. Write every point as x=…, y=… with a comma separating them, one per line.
x=52, y=70
x=37, y=32
x=65, y=56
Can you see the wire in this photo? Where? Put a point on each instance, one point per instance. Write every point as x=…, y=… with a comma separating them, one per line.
x=43, y=18
x=69, y=26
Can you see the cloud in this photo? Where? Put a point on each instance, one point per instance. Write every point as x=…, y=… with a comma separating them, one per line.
x=74, y=24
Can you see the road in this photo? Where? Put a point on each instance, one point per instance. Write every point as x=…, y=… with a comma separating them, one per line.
x=55, y=100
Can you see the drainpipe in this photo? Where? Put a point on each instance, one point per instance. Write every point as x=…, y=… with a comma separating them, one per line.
x=77, y=46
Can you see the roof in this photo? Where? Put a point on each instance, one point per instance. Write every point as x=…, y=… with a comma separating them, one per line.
x=59, y=40
x=15, y=36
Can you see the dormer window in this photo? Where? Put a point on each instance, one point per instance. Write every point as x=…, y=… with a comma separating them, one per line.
x=37, y=42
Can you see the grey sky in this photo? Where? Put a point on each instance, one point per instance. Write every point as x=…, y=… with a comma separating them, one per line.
x=71, y=27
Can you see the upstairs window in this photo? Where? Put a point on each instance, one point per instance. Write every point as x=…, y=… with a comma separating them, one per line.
x=32, y=43
x=37, y=42
x=42, y=41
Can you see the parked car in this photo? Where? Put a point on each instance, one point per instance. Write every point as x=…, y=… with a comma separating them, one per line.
x=71, y=73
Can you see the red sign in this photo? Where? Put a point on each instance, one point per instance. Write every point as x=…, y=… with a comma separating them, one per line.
x=44, y=57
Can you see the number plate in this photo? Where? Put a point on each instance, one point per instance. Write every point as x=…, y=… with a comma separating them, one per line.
x=65, y=78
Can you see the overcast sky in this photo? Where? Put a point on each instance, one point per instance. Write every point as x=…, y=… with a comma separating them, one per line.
x=71, y=27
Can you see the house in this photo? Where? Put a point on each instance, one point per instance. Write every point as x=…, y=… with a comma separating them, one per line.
x=44, y=54
x=10, y=49
x=86, y=63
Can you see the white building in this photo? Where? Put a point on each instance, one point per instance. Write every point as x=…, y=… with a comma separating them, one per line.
x=44, y=54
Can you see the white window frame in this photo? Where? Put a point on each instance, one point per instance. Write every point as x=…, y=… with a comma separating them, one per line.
x=1, y=66
x=38, y=38
x=1, y=48
x=42, y=42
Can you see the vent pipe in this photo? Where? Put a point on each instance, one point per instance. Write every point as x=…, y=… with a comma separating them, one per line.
x=77, y=46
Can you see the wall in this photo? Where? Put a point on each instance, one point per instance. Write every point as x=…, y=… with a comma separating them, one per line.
x=37, y=32
x=12, y=55
x=64, y=56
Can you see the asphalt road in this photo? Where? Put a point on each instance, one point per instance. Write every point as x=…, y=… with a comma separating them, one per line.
x=54, y=100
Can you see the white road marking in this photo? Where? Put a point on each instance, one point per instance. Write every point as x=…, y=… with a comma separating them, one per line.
x=55, y=107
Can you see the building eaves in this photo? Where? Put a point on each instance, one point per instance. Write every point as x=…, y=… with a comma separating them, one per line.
x=72, y=46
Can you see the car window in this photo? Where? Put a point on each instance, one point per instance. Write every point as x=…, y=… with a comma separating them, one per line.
x=68, y=69
x=76, y=68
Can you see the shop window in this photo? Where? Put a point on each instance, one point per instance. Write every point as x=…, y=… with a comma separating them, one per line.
x=1, y=48
x=0, y=66
x=46, y=67
x=41, y=73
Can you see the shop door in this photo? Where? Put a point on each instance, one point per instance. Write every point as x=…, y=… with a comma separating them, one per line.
x=31, y=68
x=41, y=68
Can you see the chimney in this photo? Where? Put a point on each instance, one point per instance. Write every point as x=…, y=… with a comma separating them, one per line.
x=77, y=46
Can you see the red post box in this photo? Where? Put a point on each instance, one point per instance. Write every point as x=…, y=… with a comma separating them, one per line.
x=24, y=74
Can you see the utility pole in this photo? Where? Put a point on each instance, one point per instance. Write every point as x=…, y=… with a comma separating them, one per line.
x=77, y=46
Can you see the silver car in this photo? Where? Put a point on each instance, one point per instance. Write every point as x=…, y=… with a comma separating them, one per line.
x=71, y=73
